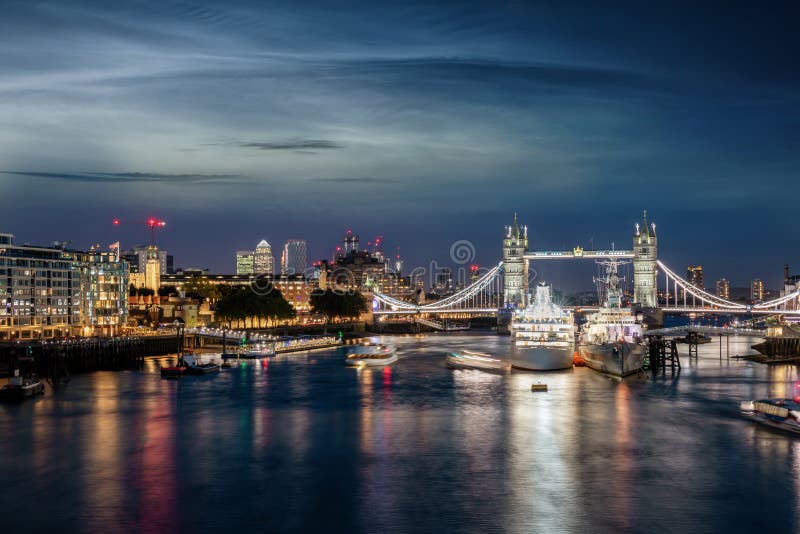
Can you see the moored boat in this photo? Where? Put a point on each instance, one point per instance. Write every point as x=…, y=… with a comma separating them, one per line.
x=469, y=359
x=198, y=366
x=20, y=388
x=543, y=334
x=371, y=354
x=780, y=414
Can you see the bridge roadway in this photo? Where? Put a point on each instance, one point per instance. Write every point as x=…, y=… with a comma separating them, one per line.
x=577, y=253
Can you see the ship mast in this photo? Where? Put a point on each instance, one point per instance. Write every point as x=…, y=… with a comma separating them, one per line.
x=608, y=286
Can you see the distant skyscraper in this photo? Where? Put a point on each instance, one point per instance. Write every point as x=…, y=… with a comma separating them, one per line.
x=724, y=289
x=263, y=262
x=294, y=259
x=350, y=242
x=245, y=262
x=757, y=290
x=694, y=275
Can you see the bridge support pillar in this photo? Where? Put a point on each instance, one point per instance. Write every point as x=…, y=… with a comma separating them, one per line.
x=515, y=266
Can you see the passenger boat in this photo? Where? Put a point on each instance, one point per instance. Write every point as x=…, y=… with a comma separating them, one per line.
x=198, y=366
x=468, y=359
x=370, y=354
x=543, y=334
x=612, y=339
x=20, y=388
x=781, y=414
x=261, y=350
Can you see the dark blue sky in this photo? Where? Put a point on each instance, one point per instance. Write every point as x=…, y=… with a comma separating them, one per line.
x=427, y=123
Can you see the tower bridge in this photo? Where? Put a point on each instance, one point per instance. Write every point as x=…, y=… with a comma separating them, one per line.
x=505, y=286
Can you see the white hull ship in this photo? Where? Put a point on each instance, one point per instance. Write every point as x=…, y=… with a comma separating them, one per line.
x=611, y=341
x=370, y=355
x=543, y=334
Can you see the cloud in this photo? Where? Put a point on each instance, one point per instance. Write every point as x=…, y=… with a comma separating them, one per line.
x=292, y=144
x=131, y=177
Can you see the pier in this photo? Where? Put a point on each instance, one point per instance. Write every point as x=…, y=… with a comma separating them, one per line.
x=57, y=360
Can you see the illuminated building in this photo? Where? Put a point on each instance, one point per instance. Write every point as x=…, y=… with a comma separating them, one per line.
x=53, y=292
x=103, y=292
x=694, y=275
x=757, y=290
x=150, y=276
x=723, y=289
x=245, y=262
x=294, y=258
x=444, y=281
x=263, y=262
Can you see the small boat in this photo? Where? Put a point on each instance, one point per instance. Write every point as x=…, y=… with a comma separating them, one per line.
x=173, y=371
x=468, y=359
x=20, y=388
x=780, y=414
x=196, y=366
x=371, y=354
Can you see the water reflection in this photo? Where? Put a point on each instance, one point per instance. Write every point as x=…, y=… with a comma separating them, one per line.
x=304, y=443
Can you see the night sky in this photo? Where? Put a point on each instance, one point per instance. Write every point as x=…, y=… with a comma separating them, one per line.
x=425, y=123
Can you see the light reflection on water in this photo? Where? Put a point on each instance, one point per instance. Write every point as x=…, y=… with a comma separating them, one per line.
x=302, y=442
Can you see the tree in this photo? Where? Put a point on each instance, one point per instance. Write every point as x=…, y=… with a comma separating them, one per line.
x=200, y=288
x=267, y=306
x=335, y=304
x=165, y=291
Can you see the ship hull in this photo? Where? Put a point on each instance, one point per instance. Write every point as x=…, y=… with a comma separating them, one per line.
x=541, y=358
x=607, y=359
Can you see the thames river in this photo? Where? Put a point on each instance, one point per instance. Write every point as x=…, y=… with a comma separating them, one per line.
x=302, y=443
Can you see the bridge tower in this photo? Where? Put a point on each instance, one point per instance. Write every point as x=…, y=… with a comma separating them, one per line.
x=645, y=254
x=515, y=266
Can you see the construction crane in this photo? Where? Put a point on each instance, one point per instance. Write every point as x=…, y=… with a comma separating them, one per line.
x=152, y=223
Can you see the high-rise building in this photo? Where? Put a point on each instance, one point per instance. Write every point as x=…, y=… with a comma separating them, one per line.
x=245, y=262
x=645, y=255
x=350, y=243
x=53, y=292
x=694, y=275
x=444, y=281
x=757, y=290
x=294, y=259
x=723, y=289
x=263, y=262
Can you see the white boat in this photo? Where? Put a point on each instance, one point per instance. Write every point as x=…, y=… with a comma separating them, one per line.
x=259, y=350
x=543, y=334
x=371, y=354
x=781, y=414
x=195, y=365
x=469, y=359
x=612, y=340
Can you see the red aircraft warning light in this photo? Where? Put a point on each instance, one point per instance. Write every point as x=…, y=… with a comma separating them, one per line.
x=151, y=223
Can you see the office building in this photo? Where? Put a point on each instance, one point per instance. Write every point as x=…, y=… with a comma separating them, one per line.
x=263, y=262
x=723, y=289
x=137, y=259
x=694, y=275
x=757, y=290
x=245, y=262
x=294, y=258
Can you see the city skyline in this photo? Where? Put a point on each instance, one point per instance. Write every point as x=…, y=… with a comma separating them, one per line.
x=427, y=133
